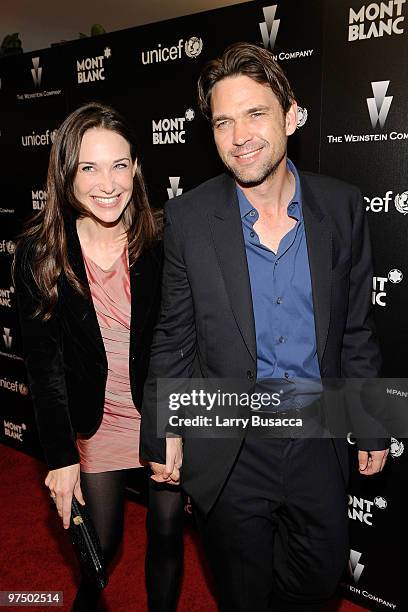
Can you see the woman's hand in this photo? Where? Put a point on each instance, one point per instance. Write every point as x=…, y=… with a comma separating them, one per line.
x=63, y=483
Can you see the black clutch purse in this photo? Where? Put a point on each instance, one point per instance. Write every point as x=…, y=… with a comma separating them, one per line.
x=86, y=544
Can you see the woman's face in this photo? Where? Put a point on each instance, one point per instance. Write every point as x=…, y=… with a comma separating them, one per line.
x=104, y=180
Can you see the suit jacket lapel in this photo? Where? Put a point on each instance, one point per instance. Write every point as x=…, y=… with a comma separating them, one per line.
x=226, y=229
x=319, y=246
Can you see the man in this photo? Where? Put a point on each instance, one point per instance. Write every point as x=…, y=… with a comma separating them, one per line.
x=267, y=276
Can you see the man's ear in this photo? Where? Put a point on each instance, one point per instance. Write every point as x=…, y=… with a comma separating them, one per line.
x=291, y=119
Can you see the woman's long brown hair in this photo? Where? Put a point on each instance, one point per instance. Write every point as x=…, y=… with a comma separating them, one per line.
x=47, y=256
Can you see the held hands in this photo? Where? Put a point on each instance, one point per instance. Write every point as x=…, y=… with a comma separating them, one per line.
x=170, y=472
x=63, y=483
x=371, y=462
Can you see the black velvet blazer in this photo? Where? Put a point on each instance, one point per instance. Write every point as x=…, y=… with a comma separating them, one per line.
x=65, y=356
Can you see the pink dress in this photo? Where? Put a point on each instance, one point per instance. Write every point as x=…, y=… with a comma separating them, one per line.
x=115, y=445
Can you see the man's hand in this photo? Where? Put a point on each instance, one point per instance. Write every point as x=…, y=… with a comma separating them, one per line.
x=372, y=462
x=170, y=472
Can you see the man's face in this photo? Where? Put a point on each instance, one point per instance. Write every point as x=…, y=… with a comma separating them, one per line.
x=250, y=128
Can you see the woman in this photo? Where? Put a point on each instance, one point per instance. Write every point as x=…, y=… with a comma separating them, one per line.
x=87, y=273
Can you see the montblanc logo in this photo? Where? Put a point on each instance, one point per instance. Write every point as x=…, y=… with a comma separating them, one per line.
x=380, y=104
x=192, y=48
x=361, y=509
x=378, y=109
x=401, y=202
x=174, y=190
x=91, y=69
x=13, y=430
x=356, y=568
x=13, y=385
x=171, y=130
x=301, y=116
x=38, y=198
x=375, y=20
x=269, y=28
x=36, y=71
x=7, y=247
x=379, y=292
x=396, y=448
x=38, y=140
x=269, y=31
x=6, y=296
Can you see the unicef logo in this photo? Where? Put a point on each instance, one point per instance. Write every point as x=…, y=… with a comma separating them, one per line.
x=380, y=502
x=401, y=202
x=395, y=276
x=189, y=114
x=193, y=46
x=396, y=448
x=11, y=247
x=23, y=389
x=301, y=116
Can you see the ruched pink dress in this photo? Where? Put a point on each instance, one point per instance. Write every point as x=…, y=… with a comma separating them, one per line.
x=115, y=445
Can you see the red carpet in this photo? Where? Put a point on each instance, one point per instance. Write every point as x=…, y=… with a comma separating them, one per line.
x=36, y=555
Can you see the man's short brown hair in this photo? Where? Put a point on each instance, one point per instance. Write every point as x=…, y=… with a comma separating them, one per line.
x=248, y=60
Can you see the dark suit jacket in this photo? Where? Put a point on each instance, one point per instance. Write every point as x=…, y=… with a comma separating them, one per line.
x=206, y=327
x=65, y=356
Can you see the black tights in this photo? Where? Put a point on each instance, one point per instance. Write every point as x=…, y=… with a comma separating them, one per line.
x=164, y=557
x=104, y=494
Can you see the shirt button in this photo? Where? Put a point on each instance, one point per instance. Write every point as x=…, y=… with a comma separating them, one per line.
x=279, y=300
x=252, y=213
x=252, y=234
x=286, y=374
x=281, y=339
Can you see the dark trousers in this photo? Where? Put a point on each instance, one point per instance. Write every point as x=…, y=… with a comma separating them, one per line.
x=277, y=537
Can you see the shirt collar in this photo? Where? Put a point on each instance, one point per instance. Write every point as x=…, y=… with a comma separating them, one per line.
x=246, y=207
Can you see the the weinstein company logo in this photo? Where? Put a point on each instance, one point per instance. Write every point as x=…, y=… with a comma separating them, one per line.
x=378, y=109
x=269, y=28
x=380, y=104
x=174, y=190
x=8, y=338
x=355, y=567
x=37, y=75
x=8, y=343
x=36, y=71
x=269, y=31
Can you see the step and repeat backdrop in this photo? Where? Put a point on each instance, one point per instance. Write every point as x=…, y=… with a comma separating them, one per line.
x=347, y=62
